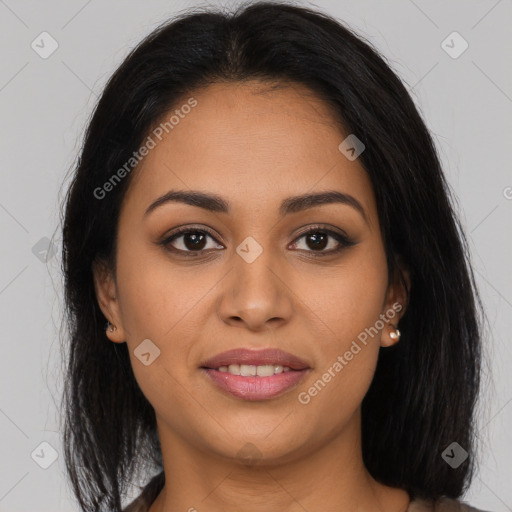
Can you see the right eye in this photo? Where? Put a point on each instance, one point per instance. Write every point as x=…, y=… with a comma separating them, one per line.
x=190, y=240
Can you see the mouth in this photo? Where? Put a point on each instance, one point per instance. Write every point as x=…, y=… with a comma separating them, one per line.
x=255, y=375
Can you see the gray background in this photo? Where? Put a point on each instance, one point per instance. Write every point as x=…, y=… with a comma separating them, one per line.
x=45, y=103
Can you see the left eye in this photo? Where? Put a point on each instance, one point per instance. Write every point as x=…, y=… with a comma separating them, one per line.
x=317, y=240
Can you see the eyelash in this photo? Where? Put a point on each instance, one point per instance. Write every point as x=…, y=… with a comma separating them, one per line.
x=343, y=240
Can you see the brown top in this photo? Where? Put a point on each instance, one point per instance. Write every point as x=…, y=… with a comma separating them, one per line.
x=153, y=488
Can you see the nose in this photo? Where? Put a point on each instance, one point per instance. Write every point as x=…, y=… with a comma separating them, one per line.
x=256, y=295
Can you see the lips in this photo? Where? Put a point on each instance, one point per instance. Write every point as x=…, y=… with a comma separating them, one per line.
x=256, y=358
x=256, y=388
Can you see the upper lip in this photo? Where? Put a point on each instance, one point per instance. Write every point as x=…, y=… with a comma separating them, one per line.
x=255, y=357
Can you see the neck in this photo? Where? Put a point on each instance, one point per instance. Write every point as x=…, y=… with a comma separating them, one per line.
x=328, y=477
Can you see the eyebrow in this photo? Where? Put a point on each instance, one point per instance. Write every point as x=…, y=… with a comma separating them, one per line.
x=215, y=203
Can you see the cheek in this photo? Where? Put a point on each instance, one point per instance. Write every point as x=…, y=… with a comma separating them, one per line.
x=347, y=306
x=347, y=299
x=155, y=295
x=157, y=303
x=169, y=306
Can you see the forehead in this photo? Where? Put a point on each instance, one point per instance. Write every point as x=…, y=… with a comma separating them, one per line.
x=252, y=144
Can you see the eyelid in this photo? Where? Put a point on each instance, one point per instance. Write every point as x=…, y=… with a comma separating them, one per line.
x=324, y=228
x=179, y=230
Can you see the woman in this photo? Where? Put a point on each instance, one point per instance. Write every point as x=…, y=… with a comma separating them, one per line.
x=260, y=218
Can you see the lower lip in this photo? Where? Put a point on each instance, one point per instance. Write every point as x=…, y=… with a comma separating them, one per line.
x=256, y=388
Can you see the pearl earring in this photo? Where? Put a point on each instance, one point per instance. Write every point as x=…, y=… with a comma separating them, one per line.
x=111, y=327
x=394, y=335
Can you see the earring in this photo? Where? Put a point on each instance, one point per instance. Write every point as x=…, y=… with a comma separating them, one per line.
x=394, y=335
x=111, y=327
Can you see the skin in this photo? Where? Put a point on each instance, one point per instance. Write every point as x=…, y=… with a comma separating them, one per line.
x=254, y=147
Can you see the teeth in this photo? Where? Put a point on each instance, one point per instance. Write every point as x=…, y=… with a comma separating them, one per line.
x=247, y=370
x=251, y=370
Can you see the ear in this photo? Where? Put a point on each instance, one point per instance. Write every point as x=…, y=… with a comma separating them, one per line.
x=396, y=303
x=106, y=294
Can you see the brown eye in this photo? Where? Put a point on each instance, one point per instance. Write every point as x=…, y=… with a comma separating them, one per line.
x=190, y=240
x=316, y=240
x=194, y=241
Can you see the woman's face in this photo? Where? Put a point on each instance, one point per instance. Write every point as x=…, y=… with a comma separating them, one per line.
x=255, y=280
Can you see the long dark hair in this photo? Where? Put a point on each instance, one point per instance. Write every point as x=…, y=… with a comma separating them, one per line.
x=425, y=388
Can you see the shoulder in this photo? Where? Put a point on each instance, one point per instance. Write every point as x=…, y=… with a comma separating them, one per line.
x=441, y=505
